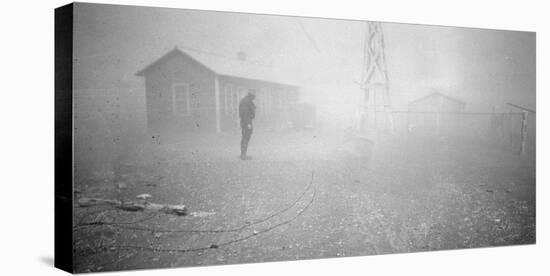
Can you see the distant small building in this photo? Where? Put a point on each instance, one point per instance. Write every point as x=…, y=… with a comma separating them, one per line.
x=193, y=92
x=436, y=113
x=437, y=102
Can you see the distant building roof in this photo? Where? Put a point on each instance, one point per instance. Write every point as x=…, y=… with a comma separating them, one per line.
x=230, y=67
x=437, y=94
x=522, y=107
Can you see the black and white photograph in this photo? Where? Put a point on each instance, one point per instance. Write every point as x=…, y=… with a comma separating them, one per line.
x=205, y=138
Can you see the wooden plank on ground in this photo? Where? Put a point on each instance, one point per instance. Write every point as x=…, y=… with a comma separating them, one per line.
x=135, y=206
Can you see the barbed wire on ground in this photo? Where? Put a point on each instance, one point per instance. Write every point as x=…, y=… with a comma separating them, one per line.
x=124, y=225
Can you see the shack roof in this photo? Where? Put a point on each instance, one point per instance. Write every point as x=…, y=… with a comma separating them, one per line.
x=224, y=66
x=437, y=94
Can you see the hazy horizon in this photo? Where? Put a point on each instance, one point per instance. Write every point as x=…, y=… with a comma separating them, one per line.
x=484, y=68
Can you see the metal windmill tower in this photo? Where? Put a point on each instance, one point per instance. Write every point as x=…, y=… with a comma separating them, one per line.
x=375, y=82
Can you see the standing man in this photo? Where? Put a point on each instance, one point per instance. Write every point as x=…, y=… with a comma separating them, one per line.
x=247, y=111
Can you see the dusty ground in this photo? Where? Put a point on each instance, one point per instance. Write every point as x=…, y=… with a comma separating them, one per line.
x=406, y=195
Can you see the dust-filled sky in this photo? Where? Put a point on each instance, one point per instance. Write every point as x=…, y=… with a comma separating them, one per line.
x=484, y=68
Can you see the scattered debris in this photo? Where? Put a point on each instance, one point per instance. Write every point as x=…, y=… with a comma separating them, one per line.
x=131, y=206
x=201, y=214
x=179, y=210
x=144, y=196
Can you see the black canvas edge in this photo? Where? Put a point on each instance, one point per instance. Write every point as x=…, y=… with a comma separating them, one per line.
x=63, y=252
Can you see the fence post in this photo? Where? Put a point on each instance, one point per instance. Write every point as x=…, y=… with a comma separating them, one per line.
x=510, y=129
x=524, y=132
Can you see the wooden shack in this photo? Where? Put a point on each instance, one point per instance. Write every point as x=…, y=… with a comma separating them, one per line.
x=436, y=113
x=188, y=92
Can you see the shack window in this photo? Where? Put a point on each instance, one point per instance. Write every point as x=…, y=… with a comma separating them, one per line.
x=180, y=99
x=195, y=90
